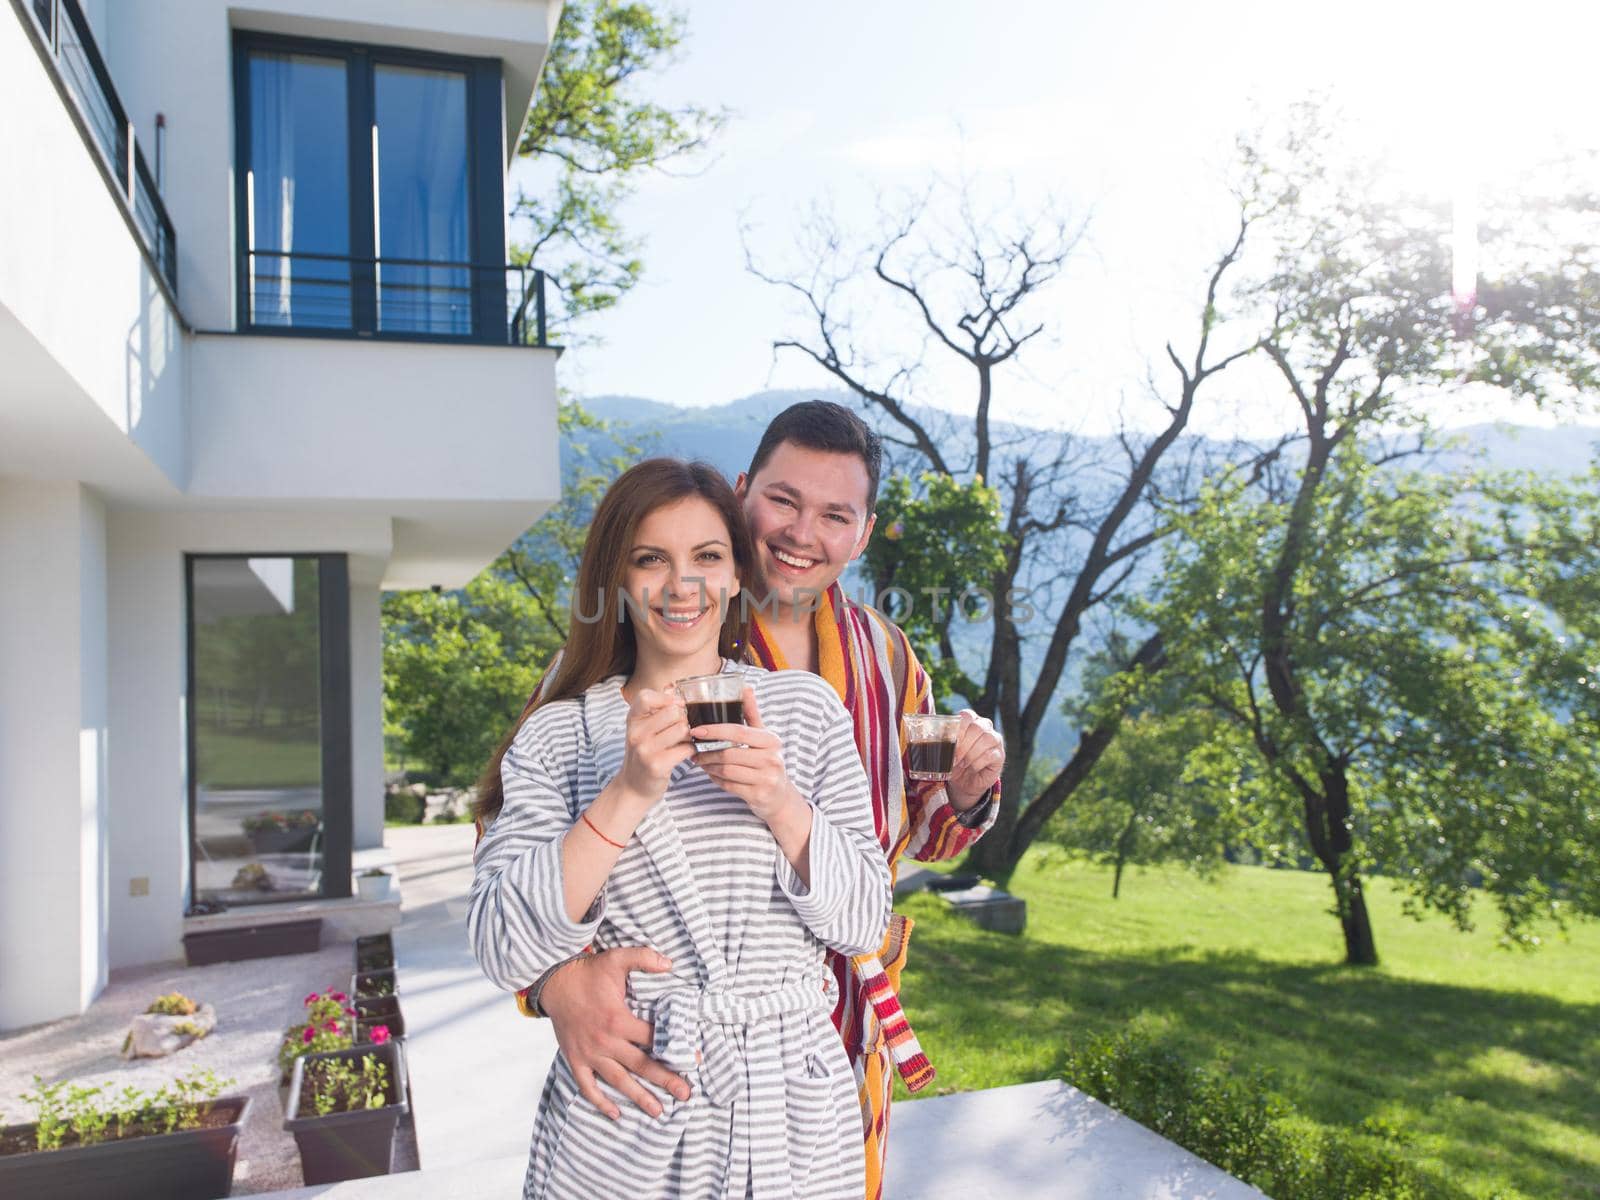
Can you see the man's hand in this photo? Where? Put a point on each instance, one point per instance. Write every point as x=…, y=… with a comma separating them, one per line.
x=980, y=757
x=585, y=1001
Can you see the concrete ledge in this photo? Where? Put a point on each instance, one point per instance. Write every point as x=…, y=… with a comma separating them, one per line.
x=1039, y=1140
x=1035, y=1141
x=990, y=908
x=343, y=920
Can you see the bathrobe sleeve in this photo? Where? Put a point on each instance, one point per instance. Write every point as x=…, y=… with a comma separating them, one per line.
x=847, y=903
x=516, y=914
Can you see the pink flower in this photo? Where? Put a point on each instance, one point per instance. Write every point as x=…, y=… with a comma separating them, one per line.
x=338, y=997
x=312, y=999
x=308, y=1034
x=380, y=1034
x=332, y=1027
x=349, y=1012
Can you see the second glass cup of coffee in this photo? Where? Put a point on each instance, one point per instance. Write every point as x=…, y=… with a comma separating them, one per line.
x=714, y=700
x=931, y=745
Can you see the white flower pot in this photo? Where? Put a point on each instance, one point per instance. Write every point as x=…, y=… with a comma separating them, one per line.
x=373, y=887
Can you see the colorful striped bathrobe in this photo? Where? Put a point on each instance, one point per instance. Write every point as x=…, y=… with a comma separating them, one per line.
x=869, y=663
x=743, y=1014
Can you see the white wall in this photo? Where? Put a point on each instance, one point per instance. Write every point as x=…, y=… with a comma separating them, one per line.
x=53, y=741
x=334, y=419
x=149, y=814
x=74, y=282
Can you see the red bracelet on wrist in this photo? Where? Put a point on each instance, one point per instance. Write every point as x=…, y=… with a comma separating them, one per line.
x=584, y=817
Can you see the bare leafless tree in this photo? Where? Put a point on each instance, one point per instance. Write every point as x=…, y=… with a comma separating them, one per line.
x=976, y=289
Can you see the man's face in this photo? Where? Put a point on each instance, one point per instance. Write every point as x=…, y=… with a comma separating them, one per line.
x=808, y=513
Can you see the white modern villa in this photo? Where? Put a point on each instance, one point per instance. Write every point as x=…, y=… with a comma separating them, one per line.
x=262, y=357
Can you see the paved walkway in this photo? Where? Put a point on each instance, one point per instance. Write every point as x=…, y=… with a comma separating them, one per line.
x=477, y=1067
x=477, y=1064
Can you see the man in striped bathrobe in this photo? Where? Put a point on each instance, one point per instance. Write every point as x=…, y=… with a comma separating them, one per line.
x=808, y=497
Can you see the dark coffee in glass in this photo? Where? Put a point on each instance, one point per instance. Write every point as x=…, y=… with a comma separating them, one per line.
x=716, y=712
x=931, y=760
x=930, y=745
x=713, y=700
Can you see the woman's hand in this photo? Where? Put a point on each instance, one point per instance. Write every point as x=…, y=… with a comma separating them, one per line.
x=751, y=769
x=657, y=741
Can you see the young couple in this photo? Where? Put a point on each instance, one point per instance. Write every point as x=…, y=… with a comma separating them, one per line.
x=738, y=898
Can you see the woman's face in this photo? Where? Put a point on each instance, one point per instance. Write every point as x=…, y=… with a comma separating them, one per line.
x=679, y=577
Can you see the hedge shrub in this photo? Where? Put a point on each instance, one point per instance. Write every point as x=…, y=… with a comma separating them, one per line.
x=1238, y=1122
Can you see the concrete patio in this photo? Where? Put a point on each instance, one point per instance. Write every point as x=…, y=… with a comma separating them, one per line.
x=477, y=1067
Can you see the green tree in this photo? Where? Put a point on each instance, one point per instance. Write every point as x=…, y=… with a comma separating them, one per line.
x=1443, y=721
x=1149, y=801
x=459, y=665
x=450, y=677
x=934, y=538
x=591, y=135
x=1356, y=294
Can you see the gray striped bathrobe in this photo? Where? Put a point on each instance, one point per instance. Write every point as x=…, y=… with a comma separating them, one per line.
x=744, y=1012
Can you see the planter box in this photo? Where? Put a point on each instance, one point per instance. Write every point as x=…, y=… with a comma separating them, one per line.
x=349, y=1145
x=194, y=1164
x=361, y=980
x=282, y=841
x=381, y=1010
x=253, y=941
x=375, y=952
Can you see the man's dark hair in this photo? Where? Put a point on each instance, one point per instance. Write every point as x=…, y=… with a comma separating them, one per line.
x=824, y=425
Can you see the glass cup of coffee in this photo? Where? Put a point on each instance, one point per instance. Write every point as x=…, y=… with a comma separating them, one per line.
x=714, y=700
x=931, y=745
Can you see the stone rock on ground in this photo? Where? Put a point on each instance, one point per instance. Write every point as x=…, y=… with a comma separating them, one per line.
x=154, y=1035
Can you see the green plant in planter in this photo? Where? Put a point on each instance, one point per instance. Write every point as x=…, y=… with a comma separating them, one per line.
x=49, y=1116
x=268, y=822
x=369, y=988
x=344, y=1085
x=86, y=1113
x=173, y=1004
x=324, y=1028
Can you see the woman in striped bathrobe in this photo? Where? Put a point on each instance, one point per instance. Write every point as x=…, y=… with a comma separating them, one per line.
x=743, y=866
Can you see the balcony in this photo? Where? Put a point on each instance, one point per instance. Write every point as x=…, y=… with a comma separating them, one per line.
x=413, y=299
x=81, y=71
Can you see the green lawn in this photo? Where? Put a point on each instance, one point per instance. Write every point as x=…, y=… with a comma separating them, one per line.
x=1489, y=1057
x=265, y=758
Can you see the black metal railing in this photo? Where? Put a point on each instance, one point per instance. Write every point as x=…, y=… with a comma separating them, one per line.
x=398, y=297
x=83, y=71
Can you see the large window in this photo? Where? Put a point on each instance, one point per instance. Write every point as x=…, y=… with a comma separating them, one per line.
x=269, y=728
x=370, y=191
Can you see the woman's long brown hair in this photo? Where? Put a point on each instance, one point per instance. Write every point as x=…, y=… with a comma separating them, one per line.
x=601, y=645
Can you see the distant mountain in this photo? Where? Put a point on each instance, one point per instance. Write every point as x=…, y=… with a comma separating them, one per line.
x=725, y=435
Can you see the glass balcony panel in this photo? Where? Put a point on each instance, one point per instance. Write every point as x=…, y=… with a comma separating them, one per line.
x=298, y=192
x=422, y=200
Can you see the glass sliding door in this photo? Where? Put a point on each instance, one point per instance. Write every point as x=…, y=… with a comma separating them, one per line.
x=421, y=200
x=270, y=820
x=297, y=192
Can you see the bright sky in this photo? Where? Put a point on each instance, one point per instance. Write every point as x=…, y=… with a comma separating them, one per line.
x=1125, y=112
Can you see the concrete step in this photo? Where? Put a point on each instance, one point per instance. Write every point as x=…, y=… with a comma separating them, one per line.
x=1035, y=1141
